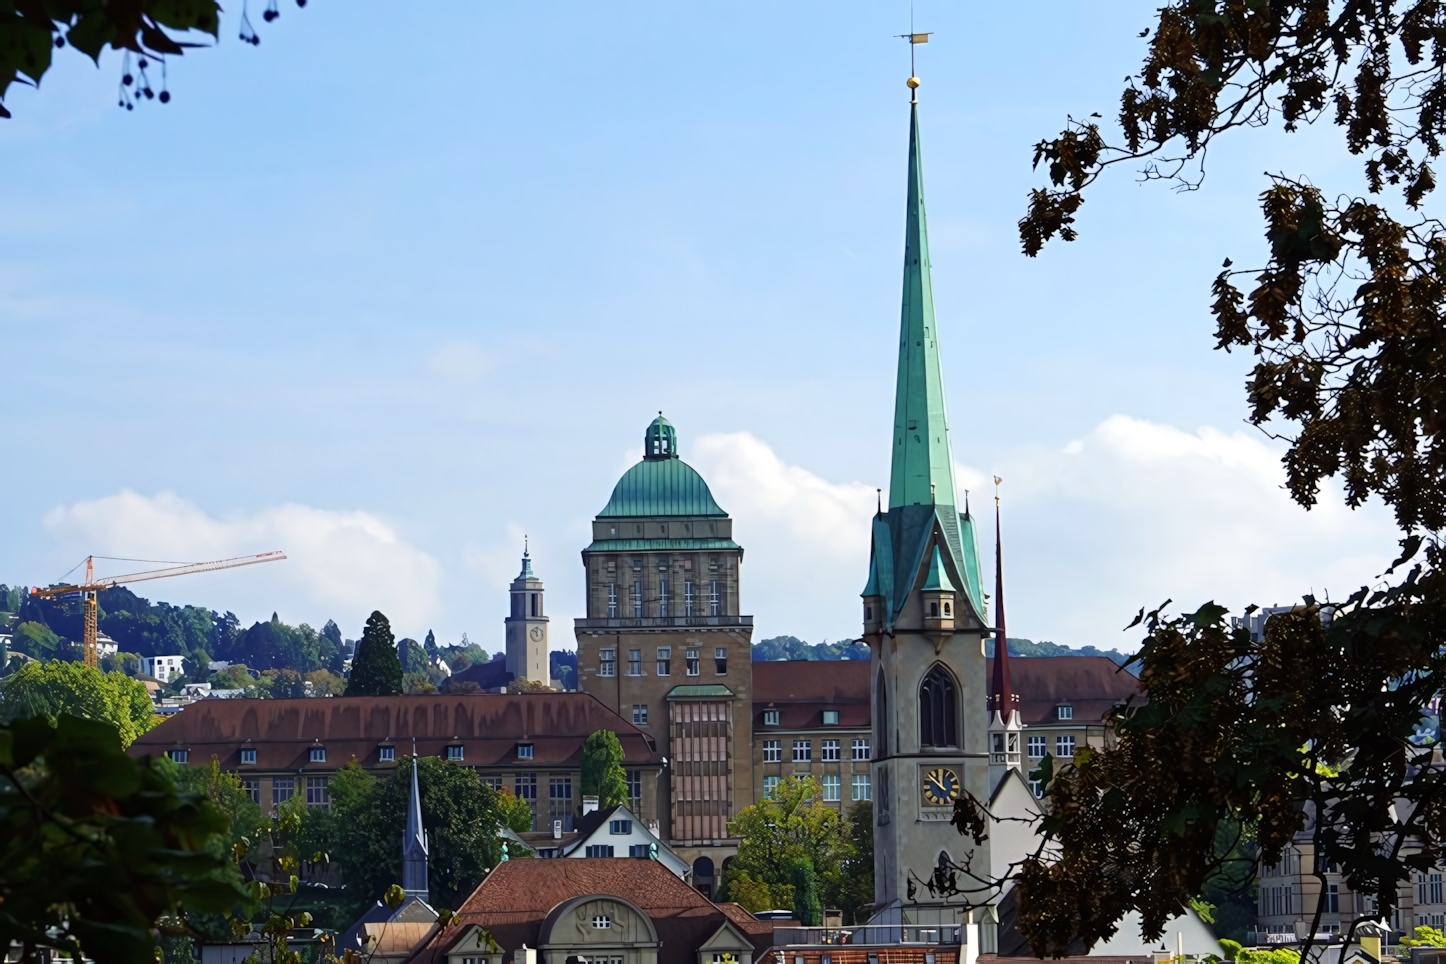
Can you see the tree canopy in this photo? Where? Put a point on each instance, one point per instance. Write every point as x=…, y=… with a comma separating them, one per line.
x=53, y=689
x=375, y=670
x=602, y=769
x=1315, y=726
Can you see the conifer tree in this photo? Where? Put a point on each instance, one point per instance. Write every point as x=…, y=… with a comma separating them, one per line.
x=602, y=769
x=376, y=670
x=807, y=906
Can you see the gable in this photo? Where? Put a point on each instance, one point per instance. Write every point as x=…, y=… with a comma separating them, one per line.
x=726, y=938
x=598, y=919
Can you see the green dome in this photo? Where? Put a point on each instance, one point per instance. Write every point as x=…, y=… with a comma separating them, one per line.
x=661, y=484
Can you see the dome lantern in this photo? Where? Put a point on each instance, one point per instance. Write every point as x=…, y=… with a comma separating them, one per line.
x=660, y=441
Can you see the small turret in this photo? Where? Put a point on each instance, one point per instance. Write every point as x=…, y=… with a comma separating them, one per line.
x=414, y=842
x=1004, y=721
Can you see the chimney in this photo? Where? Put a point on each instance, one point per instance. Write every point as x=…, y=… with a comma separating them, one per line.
x=557, y=830
x=589, y=804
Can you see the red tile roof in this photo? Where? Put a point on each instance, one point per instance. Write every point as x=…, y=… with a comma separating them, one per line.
x=1091, y=685
x=517, y=897
x=802, y=689
x=488, y=727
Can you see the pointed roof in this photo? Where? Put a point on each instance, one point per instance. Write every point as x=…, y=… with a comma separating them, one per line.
x=526, y=572
x=938, y=578
x=922, y=472
x=1001, y=692
x=414, y=841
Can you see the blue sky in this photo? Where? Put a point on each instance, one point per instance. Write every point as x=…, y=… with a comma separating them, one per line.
x=402, y=284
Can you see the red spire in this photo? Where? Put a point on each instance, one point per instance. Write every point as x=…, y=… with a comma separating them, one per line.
x=1001, y=695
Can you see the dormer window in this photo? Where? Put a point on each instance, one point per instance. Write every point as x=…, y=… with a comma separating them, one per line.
x=524, y=751
x=770, y=717
x=317, y=754
x=386, y=754
x=1064, y=712
x=830, y=717
x=248, y=754
x=455, y=752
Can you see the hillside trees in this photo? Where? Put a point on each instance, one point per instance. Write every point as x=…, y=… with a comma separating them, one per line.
x=1313, y=727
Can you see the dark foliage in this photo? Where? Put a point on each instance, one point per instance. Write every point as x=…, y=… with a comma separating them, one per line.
x=791, y=647
x=602, y=769
x=1028, y=647
x=363, y=831
x=84, y=826
x=376, y=670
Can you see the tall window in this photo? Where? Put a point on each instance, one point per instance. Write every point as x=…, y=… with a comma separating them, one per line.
x=252, y=786
x=938, y=717
x=881, y=713
x=830, y=787
x=691, y=656
x=1064, y=747
x=861, y=749
x=612, y=600
x=1036, y=747
x=720, y=660
x=1333, y=899
x=689, y=601
x=637, y=600
x=282, y=789
x=635, y=662
x=524, y=787
x=318, y=793
x=830, y=752
x=635, y=789
x=802, y=751
x=607, y=662
x=862, y=789
x=773, y=753
x=640, y=714
x=559, y=800
x=665, y=661
x=534, y=596
x=662, y=597
x=713, y=605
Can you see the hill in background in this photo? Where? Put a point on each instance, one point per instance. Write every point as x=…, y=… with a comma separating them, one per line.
x=791, y=647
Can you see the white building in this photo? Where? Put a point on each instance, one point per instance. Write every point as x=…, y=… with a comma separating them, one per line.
x=615, y=832
x=105, y=646
x=163, y=668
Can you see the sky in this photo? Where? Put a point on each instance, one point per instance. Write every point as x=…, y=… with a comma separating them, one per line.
x=401, y=285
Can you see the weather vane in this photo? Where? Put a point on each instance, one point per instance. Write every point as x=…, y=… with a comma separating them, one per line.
x=914, y=39
x=997, y=480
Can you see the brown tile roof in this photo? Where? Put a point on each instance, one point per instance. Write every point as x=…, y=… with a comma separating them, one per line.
x=861, y=954
x=488, y=727
x=517, y=897
x=1091, y=685
x=802, y=689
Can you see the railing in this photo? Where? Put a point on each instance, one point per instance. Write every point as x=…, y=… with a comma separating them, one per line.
x=870, y=934
x=662, y=622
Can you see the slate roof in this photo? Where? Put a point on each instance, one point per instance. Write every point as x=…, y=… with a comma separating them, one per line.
x=488, y=727
x=517, y=897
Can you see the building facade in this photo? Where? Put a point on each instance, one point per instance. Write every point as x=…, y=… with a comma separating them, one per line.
x=664, y=643
x=529, y=744
x=812, y=719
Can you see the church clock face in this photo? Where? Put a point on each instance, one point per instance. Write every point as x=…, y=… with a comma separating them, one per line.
x=941, y=787
x=536, y=634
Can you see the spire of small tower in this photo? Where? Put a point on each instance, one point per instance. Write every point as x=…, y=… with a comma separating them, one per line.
x=1001, y=693
x=922, y=471
x=526, y=572
x=414, y=841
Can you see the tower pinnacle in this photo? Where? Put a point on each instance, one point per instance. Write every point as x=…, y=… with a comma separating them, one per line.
x=1001, y=692
x=414, y=841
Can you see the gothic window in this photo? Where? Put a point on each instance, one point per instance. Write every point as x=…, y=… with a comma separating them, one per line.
x=938, y=718
x=881, y=714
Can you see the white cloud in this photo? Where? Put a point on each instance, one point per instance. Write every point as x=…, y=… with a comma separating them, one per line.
x=340, y=565
x=1132, y=514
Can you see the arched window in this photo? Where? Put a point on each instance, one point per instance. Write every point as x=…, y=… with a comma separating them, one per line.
x=881, y=715
x=703, y=867
x=938, y=719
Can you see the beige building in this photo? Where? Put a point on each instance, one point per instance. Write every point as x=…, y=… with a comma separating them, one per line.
x=664, y=643
x=812, y=719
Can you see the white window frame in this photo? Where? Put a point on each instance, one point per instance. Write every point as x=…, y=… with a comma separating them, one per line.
x=612, y=600
x=863, y=787
x=713, y=603
x=386, y=754
x=1064, y=747
x=689, y=599
x=1038, y=747
x=802, y=751
x=640, y=714
x=316, y=754
x=720, y=660
x=248, y=755
x=828, y=752
x=692, y=663
x=770, y=717
x=665, y=660
x=1064, y=712
x=663, y=598
x=862, y=749
x=456, y=753
x=772, y=751
x=607, y=661
x=831, y=786
x=637, y=599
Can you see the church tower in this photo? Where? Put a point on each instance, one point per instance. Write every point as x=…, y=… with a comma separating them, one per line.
x=924, y=621
x=527, y=627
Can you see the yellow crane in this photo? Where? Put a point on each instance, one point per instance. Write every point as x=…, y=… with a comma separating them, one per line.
x=88, y=589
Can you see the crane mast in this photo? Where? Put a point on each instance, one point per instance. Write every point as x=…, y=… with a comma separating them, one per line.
x=89, y=590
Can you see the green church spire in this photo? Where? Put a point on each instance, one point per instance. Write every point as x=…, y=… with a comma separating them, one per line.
x=923, y=472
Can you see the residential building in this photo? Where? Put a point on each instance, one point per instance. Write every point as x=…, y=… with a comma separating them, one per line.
x=529, y=743
x=664, y=643
x=617, y=832
x=163, y=668
x=812, y=719
x=556, y=911
x=1290, y=890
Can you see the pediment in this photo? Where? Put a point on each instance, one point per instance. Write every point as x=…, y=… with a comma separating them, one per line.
x=727, y=938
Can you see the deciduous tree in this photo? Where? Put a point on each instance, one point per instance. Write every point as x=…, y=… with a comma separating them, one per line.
x=55, y=688
x=792, y=824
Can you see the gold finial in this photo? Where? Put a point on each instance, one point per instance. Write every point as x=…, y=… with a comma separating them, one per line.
x=914, y=40
x=997, y=480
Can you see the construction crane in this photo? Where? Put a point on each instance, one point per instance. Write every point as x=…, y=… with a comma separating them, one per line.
x=88, y=589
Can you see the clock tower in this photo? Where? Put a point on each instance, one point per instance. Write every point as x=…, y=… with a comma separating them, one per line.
x=924, y=621
x=527, y=627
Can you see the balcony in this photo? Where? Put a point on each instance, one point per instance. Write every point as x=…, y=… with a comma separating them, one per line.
x=604, y=624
